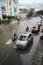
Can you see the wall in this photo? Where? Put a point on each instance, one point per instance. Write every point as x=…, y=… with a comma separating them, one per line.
x=22, y=15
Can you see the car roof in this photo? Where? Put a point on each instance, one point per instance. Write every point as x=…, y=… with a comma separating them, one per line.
x=26, y=33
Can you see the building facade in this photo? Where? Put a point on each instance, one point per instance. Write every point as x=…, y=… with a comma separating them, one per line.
x=9, y=7
x=0, y=11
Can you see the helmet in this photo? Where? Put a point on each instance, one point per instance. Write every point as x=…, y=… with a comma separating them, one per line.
x=14, y=34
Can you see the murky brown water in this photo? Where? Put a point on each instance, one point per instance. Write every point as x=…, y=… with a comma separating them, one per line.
x=6, y=32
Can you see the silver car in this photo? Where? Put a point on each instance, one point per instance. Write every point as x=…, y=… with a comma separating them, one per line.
x=24, y=40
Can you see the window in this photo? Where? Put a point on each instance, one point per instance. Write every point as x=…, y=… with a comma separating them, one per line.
x=15, y=10
x=14, y=1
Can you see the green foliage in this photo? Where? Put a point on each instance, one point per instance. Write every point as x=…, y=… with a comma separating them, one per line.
x=29, y=14
x=4, y=16
x=9, y=17
x=6, y=20
x=13, y=17
x=3, y=21
x=0, y=22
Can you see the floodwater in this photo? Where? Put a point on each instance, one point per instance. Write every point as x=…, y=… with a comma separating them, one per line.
x=8, y=54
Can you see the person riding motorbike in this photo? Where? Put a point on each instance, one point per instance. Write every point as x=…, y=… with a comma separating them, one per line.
x=27, y=28
x=15, y=37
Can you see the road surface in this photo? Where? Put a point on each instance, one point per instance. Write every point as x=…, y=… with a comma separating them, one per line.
x=9, y=55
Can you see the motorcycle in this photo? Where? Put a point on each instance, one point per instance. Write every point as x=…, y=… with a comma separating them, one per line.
x=27, y=28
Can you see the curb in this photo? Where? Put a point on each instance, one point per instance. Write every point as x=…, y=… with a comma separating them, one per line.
x=37, y=60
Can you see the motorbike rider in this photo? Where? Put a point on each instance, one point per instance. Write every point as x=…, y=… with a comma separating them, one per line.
x=27, y=28
x=15, y=37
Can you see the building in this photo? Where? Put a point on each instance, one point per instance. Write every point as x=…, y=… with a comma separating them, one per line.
x=0, y=11
x=9, y=7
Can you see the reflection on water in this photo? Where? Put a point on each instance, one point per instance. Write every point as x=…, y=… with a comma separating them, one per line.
x=9, y=41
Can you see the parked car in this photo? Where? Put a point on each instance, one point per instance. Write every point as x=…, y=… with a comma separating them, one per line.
x=24, y=40
x=35, y=29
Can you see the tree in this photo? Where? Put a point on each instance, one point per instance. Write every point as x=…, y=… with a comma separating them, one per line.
x=29, y=14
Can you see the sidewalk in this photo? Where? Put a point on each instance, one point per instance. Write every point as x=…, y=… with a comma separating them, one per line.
x=38, y=60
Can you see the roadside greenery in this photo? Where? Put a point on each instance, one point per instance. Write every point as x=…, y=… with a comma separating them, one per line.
x=9, y=19
x=13, y=17
x=4, y=21
x=30, y=14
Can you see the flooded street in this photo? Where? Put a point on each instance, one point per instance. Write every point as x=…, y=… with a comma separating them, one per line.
x=12, y=56
x=21, y=57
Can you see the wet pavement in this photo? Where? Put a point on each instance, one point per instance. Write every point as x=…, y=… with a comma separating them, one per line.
x=22, y=57
x=9, y=55
x=38, y=60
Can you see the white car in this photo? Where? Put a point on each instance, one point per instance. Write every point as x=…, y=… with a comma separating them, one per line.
x=24, y=39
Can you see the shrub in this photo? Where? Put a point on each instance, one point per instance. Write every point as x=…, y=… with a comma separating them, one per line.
x=29, y=14
x=4, y=16
x=9, y=17
x=4, y=21
x=0, y=22
x=13, y=17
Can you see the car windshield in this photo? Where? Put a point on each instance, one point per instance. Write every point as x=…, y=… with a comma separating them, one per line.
x=23, y=38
